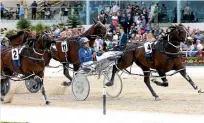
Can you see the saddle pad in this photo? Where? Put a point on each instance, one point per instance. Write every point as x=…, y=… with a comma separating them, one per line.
x=148, y=47
x=64, y=46
x=16, y=57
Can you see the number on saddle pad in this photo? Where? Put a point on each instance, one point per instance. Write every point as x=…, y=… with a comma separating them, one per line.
x=15, y=54
x=64, y=46
x=148, y=47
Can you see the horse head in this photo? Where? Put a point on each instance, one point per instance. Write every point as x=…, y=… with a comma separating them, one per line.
x=46, y=42
x=21, y=38
x=177, y=34
x=99, y=29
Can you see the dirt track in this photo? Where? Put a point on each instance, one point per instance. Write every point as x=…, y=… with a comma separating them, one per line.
x=179, y=97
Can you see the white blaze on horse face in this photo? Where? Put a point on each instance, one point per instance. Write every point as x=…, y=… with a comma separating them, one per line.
x=148, y=47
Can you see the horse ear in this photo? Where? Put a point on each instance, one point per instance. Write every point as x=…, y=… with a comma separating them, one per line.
x=95, y=22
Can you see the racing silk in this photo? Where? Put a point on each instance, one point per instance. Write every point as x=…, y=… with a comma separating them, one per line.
x=2, y=47
x=85, y=54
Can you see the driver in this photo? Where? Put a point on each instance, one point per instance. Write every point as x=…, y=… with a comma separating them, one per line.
x=86, y=54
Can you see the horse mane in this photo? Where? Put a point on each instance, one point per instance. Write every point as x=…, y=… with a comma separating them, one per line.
x=73, y=38
x=88, y=31
x=133, y=46
x=19, y=33
x=172, y=28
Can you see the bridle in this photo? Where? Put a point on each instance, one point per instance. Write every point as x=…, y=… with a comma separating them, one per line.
x=100, y=35
x=178, y=42
x=37, y=42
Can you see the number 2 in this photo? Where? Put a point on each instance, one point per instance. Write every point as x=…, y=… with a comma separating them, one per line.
x=14, y=52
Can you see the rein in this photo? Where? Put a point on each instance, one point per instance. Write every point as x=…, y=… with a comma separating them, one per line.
x=38, y=53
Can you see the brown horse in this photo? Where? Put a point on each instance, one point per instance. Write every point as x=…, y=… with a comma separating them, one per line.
x=32, y=62
x=71, y=56
x=166, y=56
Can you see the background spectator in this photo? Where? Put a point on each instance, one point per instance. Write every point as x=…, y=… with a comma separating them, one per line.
x=148, y=28
x=2, y=10
x=163, y=11
x=21, y=11
x=156, y=13
x=102, y=17
x=194, y=51
x=198, y=36
x=34, y=9
x=199, y=45
x=115, y=8
x=18, y=11
x=129, y=23
x=187, y=13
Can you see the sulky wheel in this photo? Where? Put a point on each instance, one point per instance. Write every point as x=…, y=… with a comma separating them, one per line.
x=5, y=86
x=116, y=89
x=32, y=85
x=80, y=87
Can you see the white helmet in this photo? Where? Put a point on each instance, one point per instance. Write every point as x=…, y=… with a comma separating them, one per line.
x=83, y=40
x=3, y=40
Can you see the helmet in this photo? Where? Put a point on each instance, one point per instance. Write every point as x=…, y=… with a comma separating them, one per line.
x=83, y=40
x=4, y=39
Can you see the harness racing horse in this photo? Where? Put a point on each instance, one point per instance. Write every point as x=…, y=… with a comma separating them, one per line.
x=32, y=62
x=69, y=53
x=166, y=56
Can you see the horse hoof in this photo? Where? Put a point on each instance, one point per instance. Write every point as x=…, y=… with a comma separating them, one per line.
x=200, y=91
x=109, y=84
x=47, y=102
x=2, y=99
x=66, y=83
x=165, y=84
x=157, y=99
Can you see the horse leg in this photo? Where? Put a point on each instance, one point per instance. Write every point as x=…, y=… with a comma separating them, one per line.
x=3, y=93
x=187, y=77
x=41, y=81
x=165, y=81
x=147, y=82
x=146, y=72
x=66, y=73
x=111, y=82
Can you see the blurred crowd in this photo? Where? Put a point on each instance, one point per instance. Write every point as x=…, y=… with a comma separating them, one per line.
x=135, y=21
x=64, y=31
x=141, y=23
x=43, y=9
x=196, y=44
